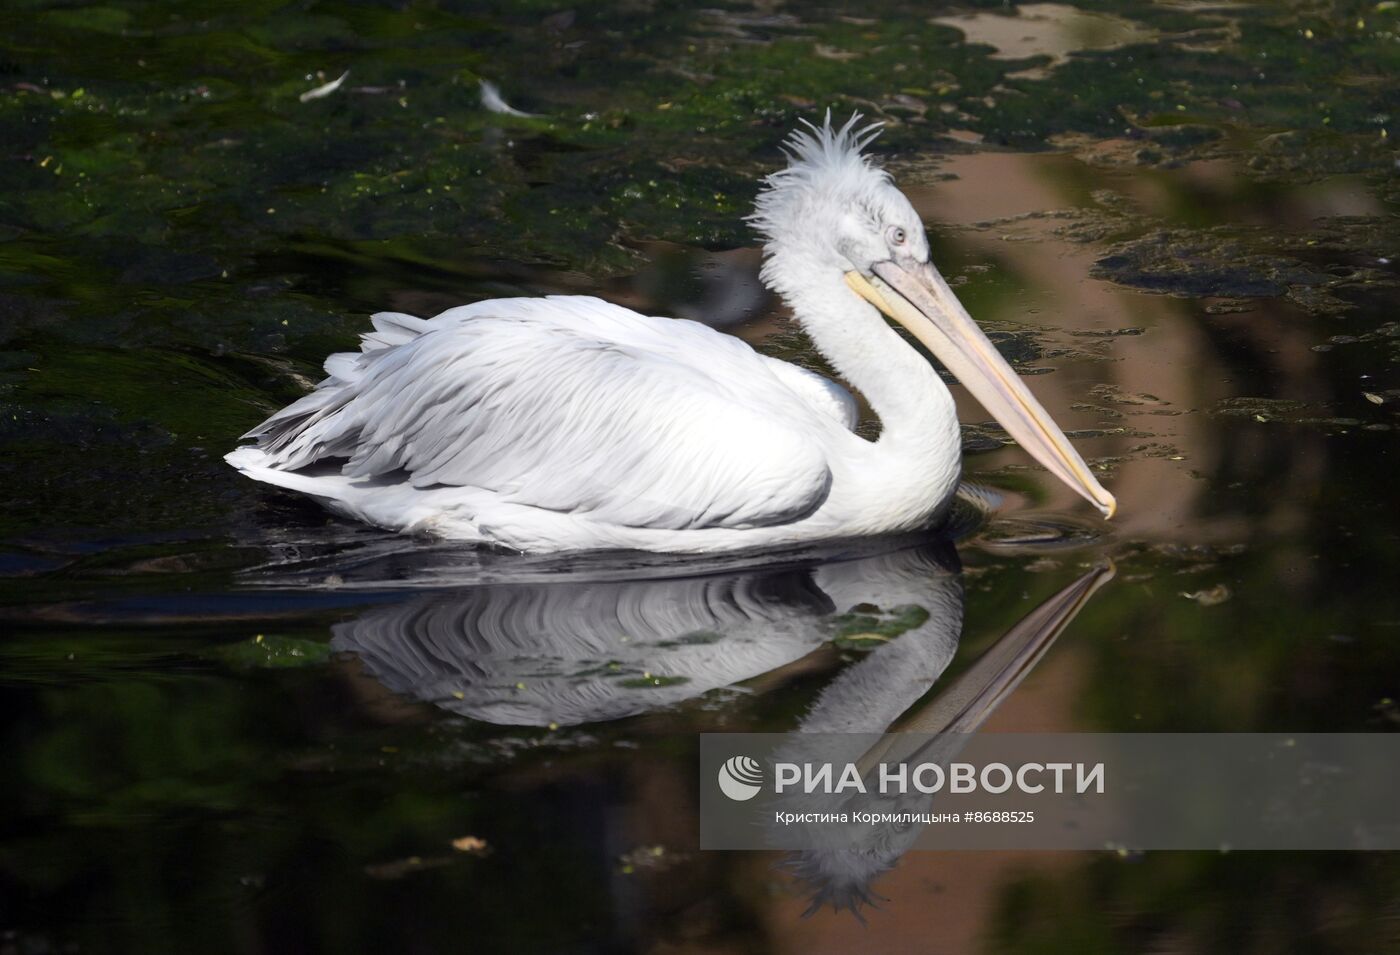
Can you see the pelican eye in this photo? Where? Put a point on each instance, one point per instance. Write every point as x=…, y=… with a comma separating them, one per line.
x=896, y=235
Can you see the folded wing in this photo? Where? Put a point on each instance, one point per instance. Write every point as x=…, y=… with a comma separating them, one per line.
x=569, y=404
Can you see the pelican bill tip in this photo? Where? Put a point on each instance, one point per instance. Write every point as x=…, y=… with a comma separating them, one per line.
x=1110, y=507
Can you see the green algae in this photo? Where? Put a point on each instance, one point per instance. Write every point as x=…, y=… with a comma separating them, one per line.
x=1324, y=269
x=182, y=241
x=866, y=627
x=274, y=651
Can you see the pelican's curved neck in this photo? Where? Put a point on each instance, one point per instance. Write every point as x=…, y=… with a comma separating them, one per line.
x=917, y=413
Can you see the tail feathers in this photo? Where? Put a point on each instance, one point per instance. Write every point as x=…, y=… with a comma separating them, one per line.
x=392, y=328
x=286, y=437
x=304, y=431
x=257, y=465
x=343, y=365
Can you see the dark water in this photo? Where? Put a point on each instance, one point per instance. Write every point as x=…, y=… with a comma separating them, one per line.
x=233, y=724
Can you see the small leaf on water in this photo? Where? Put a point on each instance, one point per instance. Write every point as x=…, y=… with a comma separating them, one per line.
x=474, y=845
x=325, y=89
x=1210, y=597
x=858, y=641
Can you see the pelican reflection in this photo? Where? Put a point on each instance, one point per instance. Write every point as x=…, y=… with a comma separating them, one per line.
x=574, y=648
x=566, y=649
x=934, y=731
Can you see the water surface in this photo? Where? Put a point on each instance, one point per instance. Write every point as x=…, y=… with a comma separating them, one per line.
x=232, y=723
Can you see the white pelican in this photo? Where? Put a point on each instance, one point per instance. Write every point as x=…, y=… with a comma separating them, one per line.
x=568, y=423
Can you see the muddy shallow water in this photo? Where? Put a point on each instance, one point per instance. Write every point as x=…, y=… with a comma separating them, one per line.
x=231, y=723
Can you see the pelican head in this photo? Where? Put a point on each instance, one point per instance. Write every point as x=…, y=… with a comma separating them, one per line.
x=833, y=212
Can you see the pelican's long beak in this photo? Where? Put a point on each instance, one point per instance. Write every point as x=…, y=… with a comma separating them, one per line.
x=915, y=295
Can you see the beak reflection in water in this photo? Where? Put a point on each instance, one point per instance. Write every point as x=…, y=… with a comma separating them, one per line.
x=586, y=649
x=933, y=732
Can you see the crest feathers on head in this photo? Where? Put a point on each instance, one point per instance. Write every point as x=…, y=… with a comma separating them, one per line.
x=826, y=145
x=820, y=158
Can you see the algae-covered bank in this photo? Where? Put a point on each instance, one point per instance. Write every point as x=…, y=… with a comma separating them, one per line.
x=232, y=723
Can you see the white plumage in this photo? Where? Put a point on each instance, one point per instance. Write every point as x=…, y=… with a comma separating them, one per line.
x=561, y=423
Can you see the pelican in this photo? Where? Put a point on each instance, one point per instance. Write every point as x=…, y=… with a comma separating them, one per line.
x=568, y=423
